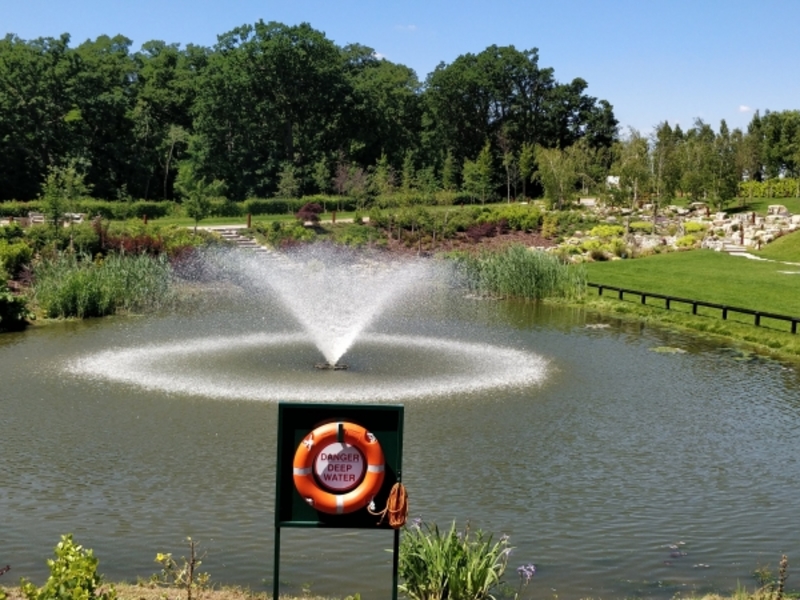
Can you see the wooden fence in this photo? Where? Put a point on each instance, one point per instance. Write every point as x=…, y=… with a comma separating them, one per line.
x=725, y=309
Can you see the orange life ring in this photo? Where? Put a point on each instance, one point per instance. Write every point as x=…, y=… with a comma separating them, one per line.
x=359, y=483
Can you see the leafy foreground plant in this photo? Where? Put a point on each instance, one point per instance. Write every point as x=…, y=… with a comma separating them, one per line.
x=182, y=575
x=13, y=312
x=73, y=576
x=454, y=565
x=3, y=594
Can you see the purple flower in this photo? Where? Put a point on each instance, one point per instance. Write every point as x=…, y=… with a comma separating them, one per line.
x=416, y=522
x=526, y=572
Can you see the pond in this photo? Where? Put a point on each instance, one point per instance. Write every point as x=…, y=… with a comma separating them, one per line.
x=622, y=460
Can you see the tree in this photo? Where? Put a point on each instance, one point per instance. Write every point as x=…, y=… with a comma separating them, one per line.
x=196, y=192
x=725, y=176
x=477, y=174
x=527, y=165
x=322, y=176
x=408, y=175
x=288, y=183
x=449, y=175
x=37, y=117
x=557, y=174
x=175, y=136
x=384, y=110
x=666, y=163
x=62, y=188
x=509, y=162
x=383, y=178
x=269, y=94
x=633, y=166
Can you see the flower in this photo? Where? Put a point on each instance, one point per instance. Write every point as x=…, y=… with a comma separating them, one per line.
x=526, y=572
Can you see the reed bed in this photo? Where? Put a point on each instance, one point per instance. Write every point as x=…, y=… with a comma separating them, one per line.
x=520, y=272
x=68, y=285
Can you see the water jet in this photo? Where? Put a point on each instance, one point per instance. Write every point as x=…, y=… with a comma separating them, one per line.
x=329, y=299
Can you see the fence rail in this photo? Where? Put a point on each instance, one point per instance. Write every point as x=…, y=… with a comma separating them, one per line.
x=757, y=314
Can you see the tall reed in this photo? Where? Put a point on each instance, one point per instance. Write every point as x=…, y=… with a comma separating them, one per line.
x=520, y=272
x=75, y=286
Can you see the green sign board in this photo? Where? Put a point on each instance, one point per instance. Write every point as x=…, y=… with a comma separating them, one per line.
x=342, y=457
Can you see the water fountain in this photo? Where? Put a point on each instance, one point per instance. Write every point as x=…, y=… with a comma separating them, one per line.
x=334, y=296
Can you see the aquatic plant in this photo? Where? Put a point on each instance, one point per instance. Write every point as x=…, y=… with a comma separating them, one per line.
x=75, y=286
x=520, y=272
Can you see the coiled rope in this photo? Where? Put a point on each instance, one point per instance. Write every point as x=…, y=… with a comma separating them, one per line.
x=396, y=507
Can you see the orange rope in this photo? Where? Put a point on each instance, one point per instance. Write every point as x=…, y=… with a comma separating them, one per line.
x=396, y=507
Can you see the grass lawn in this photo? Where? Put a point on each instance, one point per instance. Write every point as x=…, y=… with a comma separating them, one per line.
x=786, y=248
x=711, y=277
x=759, y=205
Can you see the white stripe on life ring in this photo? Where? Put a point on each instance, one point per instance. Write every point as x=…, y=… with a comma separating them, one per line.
x=339, y=505
x=375, y=468
x=306, y=471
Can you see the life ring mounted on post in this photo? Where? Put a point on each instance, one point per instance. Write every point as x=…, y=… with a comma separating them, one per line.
x=339, y=468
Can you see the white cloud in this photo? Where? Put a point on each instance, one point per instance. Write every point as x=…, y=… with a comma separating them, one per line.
x=409, y=28
x=378, y=55
x=744, y=109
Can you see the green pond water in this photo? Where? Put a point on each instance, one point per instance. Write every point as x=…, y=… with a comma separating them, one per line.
x=619, y=469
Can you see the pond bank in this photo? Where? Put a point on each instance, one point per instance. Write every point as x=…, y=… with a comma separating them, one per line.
x=776, y=344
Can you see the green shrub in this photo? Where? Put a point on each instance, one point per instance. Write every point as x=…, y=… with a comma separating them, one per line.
x=686, y=241
x=221, y=207
x=447, y=198
x=694, y=227
x=14, y=208
x=11, y=232
x=358, y=235
x=450, y=565
x=14, y=311
x=618, y=247
x=519, y=217
x=118, y=210
x=641, y=227
x=607, y=231
x=550, y=226
x=73, y=576
x=278, y=233
x=591, y=245
x=14, y=256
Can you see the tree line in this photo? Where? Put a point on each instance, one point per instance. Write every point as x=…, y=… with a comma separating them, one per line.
x=277, y=110
x=270, y=108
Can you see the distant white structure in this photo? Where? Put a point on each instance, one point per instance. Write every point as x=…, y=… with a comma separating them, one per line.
x=612, y=181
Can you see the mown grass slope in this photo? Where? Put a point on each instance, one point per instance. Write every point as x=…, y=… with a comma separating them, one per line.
x=786, y=248
x=708, y=276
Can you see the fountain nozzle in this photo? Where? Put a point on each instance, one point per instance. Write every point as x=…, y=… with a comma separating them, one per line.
x=326, y=366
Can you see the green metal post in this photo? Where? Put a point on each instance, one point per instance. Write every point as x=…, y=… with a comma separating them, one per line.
x=395, y=563
x=276, y=564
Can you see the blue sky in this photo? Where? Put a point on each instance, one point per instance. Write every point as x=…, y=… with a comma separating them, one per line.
x=654, y=60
